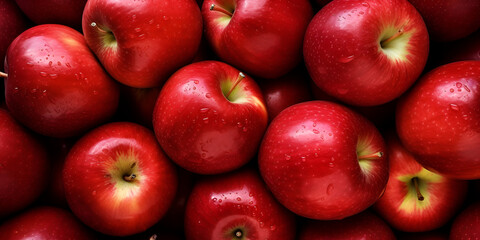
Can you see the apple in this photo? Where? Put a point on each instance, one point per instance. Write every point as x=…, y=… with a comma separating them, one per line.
x=467, y=224
x=366, y=52
x=467, y=48
x=13, y=23
x=365, y=226
x=65, y=12
x=437, y=121
x=55, y=84
x=141, y=43
x=449, y=20
x=417, y=200
x=45, y=223
x=238, y=206
x=117, y=180
x=24, y=166
x=262, y=38
x=210, y=118
x=323, y=161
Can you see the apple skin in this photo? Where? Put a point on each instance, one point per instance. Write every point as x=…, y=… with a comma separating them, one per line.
x=45, y=223
x=345, y=58
x=24, y=166
x=141, y=43
x=437, y=121
x=365, y=226
x=309, y=158
x=95, y=185
x=64, y=12
x=400, y=206
x=219, y=205
x=199, y=128
x=449, y=20
x=467, y=224
x=263, y=38
x=55, y=84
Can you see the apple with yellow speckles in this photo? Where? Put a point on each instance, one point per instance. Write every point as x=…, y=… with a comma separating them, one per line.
x=117, y=179
x=366, y=52
x=210, y=118
x=417, y=200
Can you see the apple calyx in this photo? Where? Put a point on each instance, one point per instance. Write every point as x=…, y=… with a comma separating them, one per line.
x=3, y=75
x=241, y=76
x=417, y=188
x=108, y=38
x=213, y=7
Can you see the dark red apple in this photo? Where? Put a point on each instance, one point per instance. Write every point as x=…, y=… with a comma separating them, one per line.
x=141, y=43
x=437, y=121
x=117, y=179
x=45, y=223
x=236, y=206
x=13, y=23
x=417, y=200
x=366, y=52
x=24, y=166
x=365, y=226
x=467, y=224
x=210, y=118
x=263, y=38
x=55, y=86
x=323, y=161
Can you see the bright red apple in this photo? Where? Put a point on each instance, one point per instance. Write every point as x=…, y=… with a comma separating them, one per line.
x=467, y=224
x=45, y=223
x=236, y=206
x=437, y=121
x=24, y=166
x=417, y=200
x=323, y=161
x=449, y=20
x=210, y=118
x=117, y=179
x=55, y=86
x=141, y=43
x=365, y=226
x=366, y=52
x=263, y=38
x=65, y=12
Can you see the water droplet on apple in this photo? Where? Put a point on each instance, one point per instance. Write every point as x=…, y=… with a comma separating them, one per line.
x=15, y=89
x=239, y=199
x=43, y=74
x=195, y=81
x=346, y=59
x=244, y=129
x=454, y=107
x=44, y=92
x=208, y=95
x=59, y=63
x=220, y=200
x=452, y=90
x=261, y=224
x=315, y=131
x=95, y=92
x=50, y=63
x=365, y=4
x=287, y=157
x=150, y=22
x=205, y=119
x=165, y=18
x=204, y=110
x=331, y=164
x=458, y=84
x=53, y=75
x=34, y=90
x=273, y=228
x=29, y=64
x=214, y=199
x=239, y=124
x=141, y=36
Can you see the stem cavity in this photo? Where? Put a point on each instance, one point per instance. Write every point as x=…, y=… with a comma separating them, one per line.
x=213, y=7
x=417, y=188
x=241, y=76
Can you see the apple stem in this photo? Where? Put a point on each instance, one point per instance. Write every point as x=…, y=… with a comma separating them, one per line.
x=129, y=178
x=370, y=156
x=241, y=76
x=153, y=237
x=94, y=24
x=3, y=75
x=415, y=183
x=219, y=9
x=388, y=40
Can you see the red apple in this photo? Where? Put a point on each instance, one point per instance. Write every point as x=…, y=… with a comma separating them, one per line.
x=23, y=166
x=365, y=226
x=210, y=118
x=117, y=179
x=263, y=38
x=417, y=200
x=141, y=43
x=366, y=52
x=437, y=121
x=467, y=224
x=65, y=12
x=323, y=161
x=449, y=20
x=464, y=49
x=55, y=86
x=236, y=206
x=45, y=223
x=13, y=23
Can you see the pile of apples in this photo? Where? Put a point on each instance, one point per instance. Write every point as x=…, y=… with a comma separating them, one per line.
x=240, y=119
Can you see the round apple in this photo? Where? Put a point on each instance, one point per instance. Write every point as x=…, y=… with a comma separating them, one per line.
x=467, y=224
x=117, y=179
x=366, y=52
x=323, y=161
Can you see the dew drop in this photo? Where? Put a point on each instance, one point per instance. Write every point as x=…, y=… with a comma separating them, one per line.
x=454, y=107
x=244, y=129
x=365, y=4
x=95, y=92
x=43, y=74
x=239, y=125
x=205, y=119
x=208, y=95
x=141, y=36
x=29, y=64
x=53, y=75
x=214, y=199
x=195, y=81
x=34, y=90
x=150, y=22
x=458, y=84
x=59, y=63
x=287, y=157
x=331, y=164
x=273, y=228
x=466, y=88
x=315, y=131
x=68, y=65
x=165, y=18
x=50, y=63
x=452, y=90
x=204, y=110
x=261, y=224
x=239, y=199
x=346, y=59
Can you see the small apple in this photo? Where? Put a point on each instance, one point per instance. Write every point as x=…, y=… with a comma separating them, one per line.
x=366, y=52
x=210, y=118
x=117, y=179
x=323, y=161
x=263, y=38
x=467, y=224
x=437, y=121
x=141, y=43
x=236, y=206
x=417, y=200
